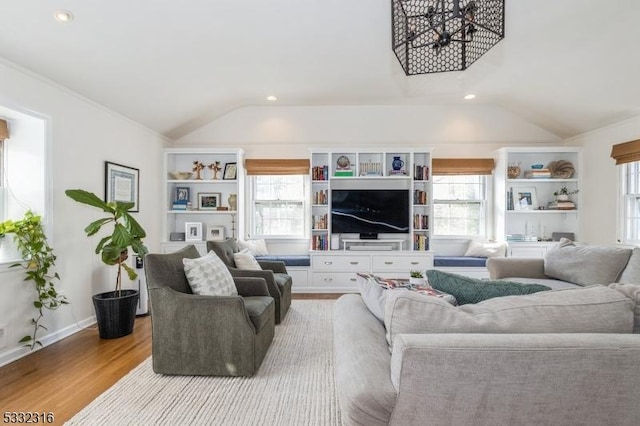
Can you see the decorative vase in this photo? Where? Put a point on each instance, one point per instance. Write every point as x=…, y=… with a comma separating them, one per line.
x=233, y=202
x=562, y=197
x=397, y=163
x=417, y=281
x=343, y=162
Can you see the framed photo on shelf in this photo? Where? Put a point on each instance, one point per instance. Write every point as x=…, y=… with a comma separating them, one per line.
x=215, y=233
x=230, y=171
x=121, y=183
x=208, y=200
x=193, y=231
x=183, y=195
x=525, y=198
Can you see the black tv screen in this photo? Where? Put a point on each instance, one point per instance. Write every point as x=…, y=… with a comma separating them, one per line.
x=370, y=211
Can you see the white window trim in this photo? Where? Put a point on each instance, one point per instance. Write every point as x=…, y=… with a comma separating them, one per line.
x=306, y=205
x=622, y=207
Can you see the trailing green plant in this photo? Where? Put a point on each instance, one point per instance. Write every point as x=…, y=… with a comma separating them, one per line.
x=416, y=274
x=127, y=232
x=565, y=191
x=34, y=248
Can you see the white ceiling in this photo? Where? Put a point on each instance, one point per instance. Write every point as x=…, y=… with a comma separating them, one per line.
x=567, y=66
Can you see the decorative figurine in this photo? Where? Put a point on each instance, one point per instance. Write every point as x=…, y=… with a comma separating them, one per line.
x=215, y=168
x=197, y=168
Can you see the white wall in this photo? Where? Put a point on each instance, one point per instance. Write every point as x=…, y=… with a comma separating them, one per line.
x=81, y=136
x=289, y=132
x=600, y=180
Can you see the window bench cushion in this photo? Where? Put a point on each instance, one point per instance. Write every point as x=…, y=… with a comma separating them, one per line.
x=288, y=259
x=459, y=261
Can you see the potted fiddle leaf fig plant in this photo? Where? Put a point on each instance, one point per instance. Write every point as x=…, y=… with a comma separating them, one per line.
x=115, y=310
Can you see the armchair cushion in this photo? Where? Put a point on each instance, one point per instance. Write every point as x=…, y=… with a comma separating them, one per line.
x=208, y=276
x=260, y=310
x=256, y=247
x=245, y=260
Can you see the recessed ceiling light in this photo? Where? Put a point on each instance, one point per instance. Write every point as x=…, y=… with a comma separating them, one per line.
x=272, y=98
x=63, y=16
x=469, y=97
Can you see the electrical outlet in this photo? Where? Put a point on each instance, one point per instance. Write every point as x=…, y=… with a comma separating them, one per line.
x=3, y=336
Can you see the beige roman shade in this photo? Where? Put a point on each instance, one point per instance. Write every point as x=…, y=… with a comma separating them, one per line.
x=4, y=129
x=462, y=166
x=256, y=166
x=626, y=152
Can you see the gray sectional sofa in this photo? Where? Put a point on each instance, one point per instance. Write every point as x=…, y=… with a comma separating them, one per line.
x=563, y=357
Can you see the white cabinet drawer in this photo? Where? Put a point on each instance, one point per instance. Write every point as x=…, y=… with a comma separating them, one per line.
x=397, y=263
x=340, y=263
x=334, y=279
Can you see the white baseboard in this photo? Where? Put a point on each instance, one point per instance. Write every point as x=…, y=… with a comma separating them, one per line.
x=20, y=352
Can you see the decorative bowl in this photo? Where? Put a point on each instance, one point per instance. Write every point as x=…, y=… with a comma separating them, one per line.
x=180, y=175
x=537, y=166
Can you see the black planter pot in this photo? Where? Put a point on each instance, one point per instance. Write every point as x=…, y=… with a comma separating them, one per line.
x=115, y=312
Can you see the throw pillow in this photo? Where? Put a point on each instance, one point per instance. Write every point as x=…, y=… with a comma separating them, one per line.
x=478, y=249
x=471, y=290
x=632, y=291
x=256, y=247
x=594, y=309
x=209, y=276
x=584, y=264
x=374, y=291
x=245, y=260
x=631, y=273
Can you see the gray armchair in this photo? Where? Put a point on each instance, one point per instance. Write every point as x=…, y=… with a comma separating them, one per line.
x=274, y=273
x=206, y=335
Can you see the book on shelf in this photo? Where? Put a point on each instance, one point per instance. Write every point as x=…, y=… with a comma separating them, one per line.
x=420, y=242
x=320, y=173
x=341, y=173
x=537, y=174
x=320, y=242
x=420, y=172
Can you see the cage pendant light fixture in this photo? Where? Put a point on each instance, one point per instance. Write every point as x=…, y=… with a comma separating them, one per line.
x=444, y=35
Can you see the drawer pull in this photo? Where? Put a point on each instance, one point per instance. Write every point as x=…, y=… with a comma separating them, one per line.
x=328, y=263
x=353, y=263
x=388, y=263
x=415, y=263
x=328, y=280
x=352, y=279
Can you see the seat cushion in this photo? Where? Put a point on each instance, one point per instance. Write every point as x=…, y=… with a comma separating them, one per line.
x=288, y=259
x=245, y=260
x=209, y=276
x=260, y=310
x=471, y=290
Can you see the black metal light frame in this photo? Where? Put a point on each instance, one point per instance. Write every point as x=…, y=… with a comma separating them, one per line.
x=430, y=36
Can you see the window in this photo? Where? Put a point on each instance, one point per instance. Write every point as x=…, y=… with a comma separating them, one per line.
x=631, y=203
x=459, y=205
x=278, y=204
x=3, y=189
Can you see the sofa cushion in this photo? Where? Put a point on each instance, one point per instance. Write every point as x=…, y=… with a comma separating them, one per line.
x=632, y=291
x=585, y=265
x=594, y=309
x=631, y=273
x=245, y=260
x=209, y=276
x=471, y=290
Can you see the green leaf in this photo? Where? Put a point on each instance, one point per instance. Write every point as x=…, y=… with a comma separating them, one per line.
x=102, y=243
x=94, y=227
x=138, y=247
x=25, y=339
x=134, y=227
x=132, y=274
x=89, y=198
x=111, y=254
x=121, y=236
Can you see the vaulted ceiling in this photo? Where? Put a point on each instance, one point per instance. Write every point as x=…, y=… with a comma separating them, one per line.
x=567, y=66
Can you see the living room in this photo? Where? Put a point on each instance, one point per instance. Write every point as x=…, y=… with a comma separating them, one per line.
x=95, y=98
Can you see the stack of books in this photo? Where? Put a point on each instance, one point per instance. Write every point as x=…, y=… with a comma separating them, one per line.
x=537, y=174
x=561, y=205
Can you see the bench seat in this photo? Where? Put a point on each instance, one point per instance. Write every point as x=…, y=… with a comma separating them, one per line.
x=288, y=259
x=459, y=262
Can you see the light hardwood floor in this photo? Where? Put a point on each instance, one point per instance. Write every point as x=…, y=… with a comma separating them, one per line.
x=66, y=376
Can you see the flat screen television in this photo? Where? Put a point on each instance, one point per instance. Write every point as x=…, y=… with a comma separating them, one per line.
x=370, y=211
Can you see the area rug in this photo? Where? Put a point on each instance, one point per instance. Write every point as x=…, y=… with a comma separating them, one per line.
x=294, y=385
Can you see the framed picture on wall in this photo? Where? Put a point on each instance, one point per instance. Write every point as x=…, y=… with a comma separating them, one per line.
x=193, y=231
x=121, y=183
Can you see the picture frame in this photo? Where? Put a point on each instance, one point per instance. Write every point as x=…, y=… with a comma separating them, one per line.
x=525, y=198
x=193, y=231
x=122, y=184
x=183, y=194
x=230, y=171
x=209, y=200
x=215, y=233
